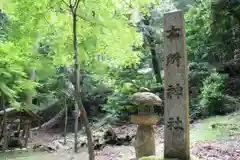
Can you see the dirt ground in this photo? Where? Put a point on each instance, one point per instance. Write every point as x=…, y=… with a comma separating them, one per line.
x=206, y=143
x=207, y=150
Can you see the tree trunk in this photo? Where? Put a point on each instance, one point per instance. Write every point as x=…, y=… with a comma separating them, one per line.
x=150, y=42
x=156, y=66
x=66, y=120
x=77, y=90
x=87, y=127
x=55, y=120
x=76, y=115
x=5, y=139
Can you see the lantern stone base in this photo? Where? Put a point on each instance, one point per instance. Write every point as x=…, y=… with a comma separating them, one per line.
x=145, y=141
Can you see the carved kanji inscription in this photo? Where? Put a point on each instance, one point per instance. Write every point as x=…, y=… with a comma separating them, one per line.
x=176, y=90
x=173, y=32
x=174, y=58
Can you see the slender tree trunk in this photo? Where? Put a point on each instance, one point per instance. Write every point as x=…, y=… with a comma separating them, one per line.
x=156, y=66
x=66, y=120
x=76, y=75
x=87, y=127
x=77, y=90
x=76, y=113
x=5, y=139
x=150, y=42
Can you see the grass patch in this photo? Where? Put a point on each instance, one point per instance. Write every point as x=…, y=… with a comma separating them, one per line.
x=217, y=128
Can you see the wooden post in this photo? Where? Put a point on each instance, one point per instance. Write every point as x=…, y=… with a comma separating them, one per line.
x=176, y=109
x=19, y=130
x=19, y=127
x=27, y=132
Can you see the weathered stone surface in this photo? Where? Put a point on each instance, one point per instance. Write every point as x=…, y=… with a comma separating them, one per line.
x=145, y=119
x=176, y=105
x=145, y=141
x=146, y=98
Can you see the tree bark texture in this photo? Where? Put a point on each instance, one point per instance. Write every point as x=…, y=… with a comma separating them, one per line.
x=156, y=66
x=66, y=120
x=76, y=113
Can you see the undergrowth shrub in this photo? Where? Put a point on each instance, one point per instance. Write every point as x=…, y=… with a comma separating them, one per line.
x=127, y=82
x=118, y=104
x=198, y=72
x=213, y=101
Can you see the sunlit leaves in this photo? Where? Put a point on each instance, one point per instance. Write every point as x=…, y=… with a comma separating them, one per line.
x=13, y=80
x=99, y=32
x=40, y=38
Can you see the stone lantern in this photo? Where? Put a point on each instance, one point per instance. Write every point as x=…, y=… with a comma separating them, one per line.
x=145, y=119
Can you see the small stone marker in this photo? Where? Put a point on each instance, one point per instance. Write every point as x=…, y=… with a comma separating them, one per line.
x=176, y=103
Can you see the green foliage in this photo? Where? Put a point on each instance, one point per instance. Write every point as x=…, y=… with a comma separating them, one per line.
x=198, y=72
x=14, y=80
x=212, y=98
x=39, y=37
x=127, y=82
x=225, y=27
x=198, y=31
x=207, y=96
x=211, y=41
x=212, y=29
x=202, y=54
x=130, y=79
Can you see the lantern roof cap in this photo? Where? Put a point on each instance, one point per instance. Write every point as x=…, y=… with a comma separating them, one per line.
x=146, y=98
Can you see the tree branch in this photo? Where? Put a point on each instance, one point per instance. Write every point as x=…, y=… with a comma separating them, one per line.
x=68, y=5
x=76, y=4
x=87, y=20
x=128, y=4
x=50, y=24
